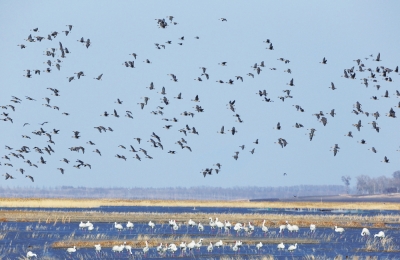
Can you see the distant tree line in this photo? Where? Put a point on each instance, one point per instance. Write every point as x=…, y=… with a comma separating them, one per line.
x=174, y=193
x=382, y=184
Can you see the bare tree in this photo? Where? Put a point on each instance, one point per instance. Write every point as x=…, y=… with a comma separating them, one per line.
x=396, y=181
x=346, y=181
x=381, y=184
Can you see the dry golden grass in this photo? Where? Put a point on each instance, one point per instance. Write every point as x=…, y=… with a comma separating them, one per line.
x=94, y=203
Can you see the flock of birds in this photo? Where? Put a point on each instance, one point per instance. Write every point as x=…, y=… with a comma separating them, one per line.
x=58, y=54
x=214, y=224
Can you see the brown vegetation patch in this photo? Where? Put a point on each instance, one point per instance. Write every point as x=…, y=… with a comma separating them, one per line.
x=353, y=224
x=269, y=223
x=379, y=225
x=326, y=224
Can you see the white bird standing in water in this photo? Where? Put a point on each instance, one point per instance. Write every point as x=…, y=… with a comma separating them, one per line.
x=238, y=227
x=71, y=250
x=235, y=248
x=281, y=246
x=228, y=226
x=312, y=228
x=118, y=248
x=119, y=227
x=210, y=248
x=159, y=248
x=258, y=246
x=200, y=227
x=212, y=223
x=97, y=248
x=282, y=229
x=183, y=247
x=191, y=246
x=29, y=255
x=191, y=223
x=219, y=244
x=292, y=247
x=129, y=225
x=82, y=225
x=128, y=248
x=146, y=249
x=151, y=225
x=264, y=228
x=172, y=248
x=365, y=232
x=381, y=234
x=339, y=230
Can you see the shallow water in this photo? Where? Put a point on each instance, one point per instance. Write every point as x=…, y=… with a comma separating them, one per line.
x=20, y=237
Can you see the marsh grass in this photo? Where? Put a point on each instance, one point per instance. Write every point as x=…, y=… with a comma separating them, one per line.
x=247, y=257
x=381, y=245
x=94, y=203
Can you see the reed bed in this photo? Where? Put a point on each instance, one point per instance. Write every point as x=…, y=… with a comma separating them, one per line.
x=272, y=220
x=154, y=241
x=94, y=203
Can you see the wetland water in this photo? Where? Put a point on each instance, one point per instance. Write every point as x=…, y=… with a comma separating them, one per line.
x=17, y=238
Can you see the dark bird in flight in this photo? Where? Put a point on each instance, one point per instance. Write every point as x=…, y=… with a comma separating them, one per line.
x=8, y=176
x=378, y=57
x=222, y=130
x=99, y=77
x=358, y=125
x=233, y=131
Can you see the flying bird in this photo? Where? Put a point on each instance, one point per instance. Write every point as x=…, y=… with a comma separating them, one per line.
x=8, y=176
x=99, y=77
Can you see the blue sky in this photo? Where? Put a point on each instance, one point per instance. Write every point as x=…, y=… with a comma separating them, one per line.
x=302, y=32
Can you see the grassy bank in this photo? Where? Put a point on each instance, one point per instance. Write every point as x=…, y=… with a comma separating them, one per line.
x=155, y=241
x=272, y=220
x=94, y=203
